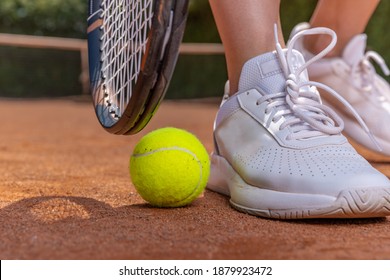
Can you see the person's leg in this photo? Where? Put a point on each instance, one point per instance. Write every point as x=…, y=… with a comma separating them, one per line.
x=246, y=30
x=347, y=18
x=278, y=152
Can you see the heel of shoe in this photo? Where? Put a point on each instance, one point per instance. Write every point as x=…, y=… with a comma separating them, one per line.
x=218, y=180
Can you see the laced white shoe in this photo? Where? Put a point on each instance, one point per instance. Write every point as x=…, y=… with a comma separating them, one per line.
x=279, y=152
x=354, y=77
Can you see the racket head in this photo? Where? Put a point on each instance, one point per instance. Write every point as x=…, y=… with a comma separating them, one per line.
x=133, y=48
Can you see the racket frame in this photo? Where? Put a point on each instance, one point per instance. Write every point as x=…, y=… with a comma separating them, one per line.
x=157, y=66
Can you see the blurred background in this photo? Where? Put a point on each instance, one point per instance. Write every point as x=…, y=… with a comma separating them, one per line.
x=40, y=72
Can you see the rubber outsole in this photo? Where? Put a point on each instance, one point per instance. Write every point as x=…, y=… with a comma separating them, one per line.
x=351, y=203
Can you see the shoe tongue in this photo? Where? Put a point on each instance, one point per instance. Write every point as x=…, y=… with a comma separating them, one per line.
x=265, y=71
x=355, y=49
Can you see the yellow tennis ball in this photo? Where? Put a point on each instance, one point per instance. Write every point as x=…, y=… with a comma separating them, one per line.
x=169, y=167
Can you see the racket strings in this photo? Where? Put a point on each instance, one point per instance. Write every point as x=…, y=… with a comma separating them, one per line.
x=123, y=43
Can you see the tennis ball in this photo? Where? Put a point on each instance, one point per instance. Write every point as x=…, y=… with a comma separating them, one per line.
x=169, y=167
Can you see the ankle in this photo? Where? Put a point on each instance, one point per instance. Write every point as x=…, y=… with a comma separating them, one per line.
x=318, y=43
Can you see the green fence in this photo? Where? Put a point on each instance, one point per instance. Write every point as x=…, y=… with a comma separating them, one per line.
x=51, y=73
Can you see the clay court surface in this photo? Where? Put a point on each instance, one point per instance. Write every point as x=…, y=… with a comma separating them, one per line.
x=65, y=193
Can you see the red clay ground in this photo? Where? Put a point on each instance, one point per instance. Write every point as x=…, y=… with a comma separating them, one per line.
x=65, y=193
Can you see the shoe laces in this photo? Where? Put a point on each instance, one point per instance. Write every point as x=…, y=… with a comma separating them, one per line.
x=366, y=71
x=300, y=105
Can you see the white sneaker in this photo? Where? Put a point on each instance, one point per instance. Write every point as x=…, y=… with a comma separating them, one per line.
x=354, y=77
x=279, y=152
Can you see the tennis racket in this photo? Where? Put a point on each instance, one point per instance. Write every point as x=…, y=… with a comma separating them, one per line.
x=133, y=47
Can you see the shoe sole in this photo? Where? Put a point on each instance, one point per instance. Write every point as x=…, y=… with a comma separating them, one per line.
x=350, y=203
x=353, y=130
x=367, y=153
